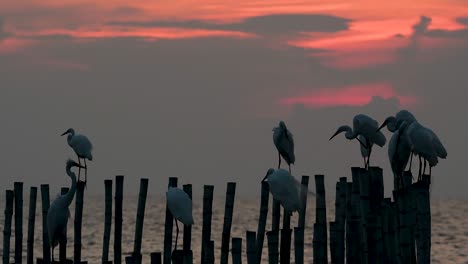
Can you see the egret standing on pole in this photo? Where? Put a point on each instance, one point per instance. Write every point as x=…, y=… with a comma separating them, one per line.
x=57, y=216
x=82, y=147
x=366, y=127
x=180, y=206
x=283, y=187
x=284, y=143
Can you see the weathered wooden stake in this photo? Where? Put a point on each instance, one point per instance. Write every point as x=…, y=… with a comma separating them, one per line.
x=207, y=213
x=18, y=187
x=354, y=219
x=45, y=236
x=187, y=229
x=273, y=240
x=79, y=199
x=251, y=248
x=333, y=242
x=276, y=215
x=119, y=180
x=107, y=220
x=155, y=257
x=228, y=210
x=264, y=200
x=298, y=245
x=236, y=250
x=285, y=247
x=389, y=252
x=168, y=227
x=31, y=223
x=364, y=204
x=63, y=239
x=7, y=229
x=320, y=226
x=424, y=219
x=209, y=253
x=140, y=219
x=340, y=219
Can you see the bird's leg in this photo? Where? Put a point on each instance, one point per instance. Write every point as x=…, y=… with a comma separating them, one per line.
x=289, y=168
x=424, y=171
x=420, y=167
x=365, y=161
x=370, y=152
x=86, y=171
x=177, y=234
x=279, y=160
x=79, y=168
x=430, y=170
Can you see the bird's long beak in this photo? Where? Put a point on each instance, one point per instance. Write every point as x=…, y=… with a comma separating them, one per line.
x=64, y=133
x=334, y=135
x=383, y=125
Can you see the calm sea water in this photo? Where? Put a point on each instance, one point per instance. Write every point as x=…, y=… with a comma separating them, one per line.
x=449, y=227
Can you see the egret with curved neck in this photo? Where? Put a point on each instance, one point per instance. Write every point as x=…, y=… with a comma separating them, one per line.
x=57, y=216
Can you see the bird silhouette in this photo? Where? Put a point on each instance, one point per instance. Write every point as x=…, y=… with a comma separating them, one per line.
x=366, y=127
x=284, y=188
x=57, y=216
x=82, y=147
x=180, y=206
x=284, y=142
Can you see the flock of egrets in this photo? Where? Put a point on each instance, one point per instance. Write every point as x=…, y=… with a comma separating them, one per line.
x=409, y=138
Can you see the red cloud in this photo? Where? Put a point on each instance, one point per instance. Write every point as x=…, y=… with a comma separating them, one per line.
x=356, y=95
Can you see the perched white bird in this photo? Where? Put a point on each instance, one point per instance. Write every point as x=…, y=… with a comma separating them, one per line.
x=366, y=127
x=283, y=187
x=399, y=151
x=180, y=206
x=284, y=143
x=423, y=142
x=57, y=216
x=82, y=147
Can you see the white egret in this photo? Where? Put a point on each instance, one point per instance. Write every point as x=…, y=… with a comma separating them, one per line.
x=82, y=147
x=366, y=127
x=424, y=143
x=283, y=187
x=57, y=216
x=180, y=206
x=284, y=143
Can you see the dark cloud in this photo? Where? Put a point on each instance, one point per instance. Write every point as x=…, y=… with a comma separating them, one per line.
x=462, y=20
x=267, y=25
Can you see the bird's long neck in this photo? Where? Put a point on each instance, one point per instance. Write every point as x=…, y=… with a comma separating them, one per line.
x=70, y=136
x=391, y=124
x=68, y=197
x=350, y=134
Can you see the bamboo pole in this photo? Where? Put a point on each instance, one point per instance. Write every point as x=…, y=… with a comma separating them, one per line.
x=207, y=214
x=299, y=245
x=45, y=236
x=424, y=220
x=78, y=220
x=364, y=204
x=140, y=220
x=107, y=220
x=333, y=242
x=320, y=226
x=18, y=188
x=285, y=247
x=264, y=199
x=236, y=250
x=276, y=215
x=273, y=240
x=209, y=253
x=376, y=192
x=404, y=226
x=168, y=227
x=251, y=248
x=7, y=229
x=351, y=232
x=389, y=251
x=63, y=238
x=355, y=218
x=119, y=180
x=228, y=210
x=340, y=219
x=187, y=229
x=31, y=223
x=155, y=257
x=371, y=239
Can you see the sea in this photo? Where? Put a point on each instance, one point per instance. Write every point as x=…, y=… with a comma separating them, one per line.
x=449, y=228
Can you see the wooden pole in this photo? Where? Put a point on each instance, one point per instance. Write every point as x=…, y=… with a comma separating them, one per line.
x=187, y=229
x=228, y=210
x=424, y=219
x=207, y=214
x=285, y=247
x=31, y=223
x=355, y=219
x=273, y=240
x=107, y=220
x=155, y=257
x=298, y=245
x=376, y=192
x=63, y=239
x=168, y=227
x=251, y=248
x=45, y=236
x=276, y=215
x=389, y=251
x=119, y=180
x=209, y=253
x=320, y=226
x=18, y=187
x=7, y=229
x=333, y=242
x=404, y=227
x=364, y=204
x=236, y=250
x=264, y=200
x=340, y=219
x=78, y=220
x=140, y=219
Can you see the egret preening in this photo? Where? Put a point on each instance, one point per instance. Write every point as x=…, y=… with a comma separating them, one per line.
x=57, y=216
x=399, y=151
x=180, y=206
x=424, y=143
x=283, y=187
x=366, y=127
x=82, y=147
x=284, y=143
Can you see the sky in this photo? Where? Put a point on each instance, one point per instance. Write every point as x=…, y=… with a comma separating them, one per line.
x=192, y=89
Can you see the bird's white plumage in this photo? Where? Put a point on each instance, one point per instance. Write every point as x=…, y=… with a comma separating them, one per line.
x=180, y=205
x=283, y=187
x=80, y=144
x=421, y=141
x=284, y=142
x=367, y=127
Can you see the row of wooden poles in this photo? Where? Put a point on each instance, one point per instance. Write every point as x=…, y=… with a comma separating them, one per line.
x=367, y=227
